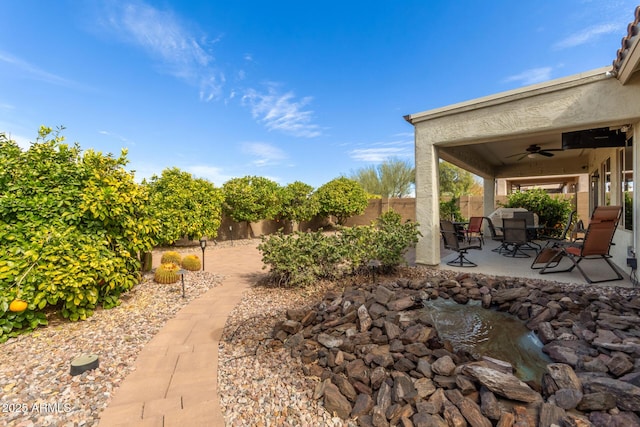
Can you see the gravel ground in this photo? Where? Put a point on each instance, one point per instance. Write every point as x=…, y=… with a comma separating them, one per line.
x=36, y=388
x=258, y=381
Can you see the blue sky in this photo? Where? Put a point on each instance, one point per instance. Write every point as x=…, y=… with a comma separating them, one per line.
x=289, y=90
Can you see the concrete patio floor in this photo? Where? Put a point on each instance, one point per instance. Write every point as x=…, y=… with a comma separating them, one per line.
x=495, y=264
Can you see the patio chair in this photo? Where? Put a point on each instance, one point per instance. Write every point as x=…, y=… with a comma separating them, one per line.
x=596, y=245
x=474, y=230
x=606, y=213
x=495, y=236
x=549, y=251
x=451, y=242
x=515, y=237
x=530, y=221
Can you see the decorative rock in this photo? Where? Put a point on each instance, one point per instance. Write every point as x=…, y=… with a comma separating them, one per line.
x=452, y=415
x=443, y=366
x=505, y=385
x=362, y=406
x=600, y=401
x=551, y=415
x=424, y=387
x=364, y=318
x=471, y=411
x=620, y=364
x=403, y=389
x=628, y=395
x=489, y=404
x=416, y=333
x=329, y=341
x=392, y=330
x=568, y=398
x=383, y=295
x=564, y=376
x=335, y=402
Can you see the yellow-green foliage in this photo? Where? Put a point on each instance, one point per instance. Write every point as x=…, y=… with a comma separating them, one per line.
x=171, y=256
x=167, y=273
x=191, y=263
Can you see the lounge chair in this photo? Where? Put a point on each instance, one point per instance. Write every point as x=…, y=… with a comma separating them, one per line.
x=596, y=245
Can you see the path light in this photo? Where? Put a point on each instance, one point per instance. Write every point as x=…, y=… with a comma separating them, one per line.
x=182, y=272
x=231, y=233
x=83, y=363
x=203, y=244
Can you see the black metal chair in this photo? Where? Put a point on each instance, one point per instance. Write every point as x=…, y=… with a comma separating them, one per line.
x=515, y=237
x=532, y=233
x=452, y=243
x=495, y=236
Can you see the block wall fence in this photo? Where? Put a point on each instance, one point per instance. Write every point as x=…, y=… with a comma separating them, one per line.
x=406, y=207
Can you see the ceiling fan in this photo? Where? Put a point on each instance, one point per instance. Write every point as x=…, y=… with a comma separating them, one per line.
x=534, y=149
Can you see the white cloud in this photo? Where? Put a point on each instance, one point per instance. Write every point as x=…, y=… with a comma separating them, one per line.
x=116, y=136
x=163, y=36
x=282, y=112
x=378, y=152
x=34, y=72
x=531, y=76
x=377, y=155
x=265, y=154
x=211, y=173
x=587, y=35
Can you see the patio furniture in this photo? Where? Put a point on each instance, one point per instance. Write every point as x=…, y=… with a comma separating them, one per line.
x=596, y=245
x=549, y=251
x=495, y=236
x=516, y=238
x=474, y=230
x=532, y=229
x=451, y=242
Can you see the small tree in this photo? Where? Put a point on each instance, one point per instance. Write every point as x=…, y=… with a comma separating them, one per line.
x=392, y=178
x=250, y=199
x=456, y=182
x=297, y=202
x=185, y=206
x=342, y=198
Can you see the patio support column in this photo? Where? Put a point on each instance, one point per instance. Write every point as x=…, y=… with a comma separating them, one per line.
x=427, y=200
x=488, y=199
x=636, y=188
x=489, y=195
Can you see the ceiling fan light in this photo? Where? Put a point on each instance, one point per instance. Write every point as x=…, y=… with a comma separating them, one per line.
x=531, y=155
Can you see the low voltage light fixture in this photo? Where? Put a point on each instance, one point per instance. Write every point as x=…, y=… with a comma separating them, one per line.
x=203, y=245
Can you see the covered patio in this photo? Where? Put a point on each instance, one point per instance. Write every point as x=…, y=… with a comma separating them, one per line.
x=585, y=123
x=494, y=264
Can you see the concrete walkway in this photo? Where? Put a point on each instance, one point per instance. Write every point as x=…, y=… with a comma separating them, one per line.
x=175, y=382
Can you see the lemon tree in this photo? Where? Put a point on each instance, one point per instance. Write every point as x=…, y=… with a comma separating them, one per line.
x=73, y=224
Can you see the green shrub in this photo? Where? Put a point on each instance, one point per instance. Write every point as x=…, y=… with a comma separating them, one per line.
x=552, y=211
x=302, y=258
x=450, y=210
x=393, y=238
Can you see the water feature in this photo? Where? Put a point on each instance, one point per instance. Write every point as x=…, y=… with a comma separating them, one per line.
x=485, y=332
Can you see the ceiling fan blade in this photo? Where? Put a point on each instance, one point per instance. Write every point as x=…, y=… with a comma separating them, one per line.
x=545, y=153
x=523, y=156
x=513, y=155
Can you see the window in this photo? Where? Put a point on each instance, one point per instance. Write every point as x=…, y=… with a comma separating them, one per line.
x=626, y=179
